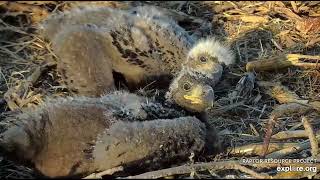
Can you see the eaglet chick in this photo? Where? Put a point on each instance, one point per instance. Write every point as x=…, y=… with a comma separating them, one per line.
x=141, y=44
x=79, y=136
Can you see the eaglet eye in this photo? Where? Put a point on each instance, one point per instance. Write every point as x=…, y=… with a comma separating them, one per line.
x=186, y=86
x=203, y=59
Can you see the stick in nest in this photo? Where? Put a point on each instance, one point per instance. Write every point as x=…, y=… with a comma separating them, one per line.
x=294, y=149
x=103, y=173
x=258, y=149
x=281, y=62
x=284, y=109
x=284, y=152
x=281, y=93
x=289, y=134
x=186, y=169
x=313, y=140
x=269, y=129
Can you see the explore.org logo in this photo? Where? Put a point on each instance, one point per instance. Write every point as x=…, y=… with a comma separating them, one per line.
x=297, y=169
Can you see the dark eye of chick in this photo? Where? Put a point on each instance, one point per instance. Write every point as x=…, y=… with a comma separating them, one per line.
x=203, y=59
x=186, y=86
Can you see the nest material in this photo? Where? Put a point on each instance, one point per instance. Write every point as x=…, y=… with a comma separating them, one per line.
x=251, y=124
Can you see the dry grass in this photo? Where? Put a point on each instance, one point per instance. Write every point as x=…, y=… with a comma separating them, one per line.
x=255, y=30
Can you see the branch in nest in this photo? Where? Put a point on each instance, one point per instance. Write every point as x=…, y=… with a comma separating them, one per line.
x=103, y=173
x=291, y=109
x=281, y=93
x=258, y=148
x=186, y=169
x=315, y=105
x=284, y=152
x=289, y=135
x=269, y=129
x=291, y=102
x=313, y=140
x=284, y=109
x=281, y=62
x=290, y=150
x=249, y=18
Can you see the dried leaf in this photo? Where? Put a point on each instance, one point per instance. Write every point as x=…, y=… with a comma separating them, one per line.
x=254, y=19
x=309, y=25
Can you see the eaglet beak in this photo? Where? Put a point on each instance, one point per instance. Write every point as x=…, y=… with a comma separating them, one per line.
x=195, y=95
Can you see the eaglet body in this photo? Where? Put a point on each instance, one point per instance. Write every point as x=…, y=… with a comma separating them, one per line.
x=79, y=136
x=141, y=44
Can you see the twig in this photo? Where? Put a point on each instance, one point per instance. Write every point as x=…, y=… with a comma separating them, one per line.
x=269, y=129
x=295, y=57
x=291, y=109
x=294, y=149
x=315, y=105
x=289, y=134
x=284, y=95
x=257, y=148
x=14, y=29
x=103, y=173
x=281, y=93
x=281, y=62
x=249, y=18
x=313, y=140
x=12, y=54
x=185, y=169
x=226, y=108
x=284, y=152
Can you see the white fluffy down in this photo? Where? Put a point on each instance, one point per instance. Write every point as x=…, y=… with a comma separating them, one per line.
x=214, y=48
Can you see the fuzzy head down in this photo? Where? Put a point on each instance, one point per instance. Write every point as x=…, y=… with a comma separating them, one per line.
x=206, y=57
x=190, y=92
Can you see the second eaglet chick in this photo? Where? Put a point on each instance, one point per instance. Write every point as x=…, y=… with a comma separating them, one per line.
x=206, y=59
x=140, y=45
x=79, y=136
x=136, y=45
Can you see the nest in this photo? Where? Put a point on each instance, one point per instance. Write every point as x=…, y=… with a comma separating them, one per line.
x=268, y=106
